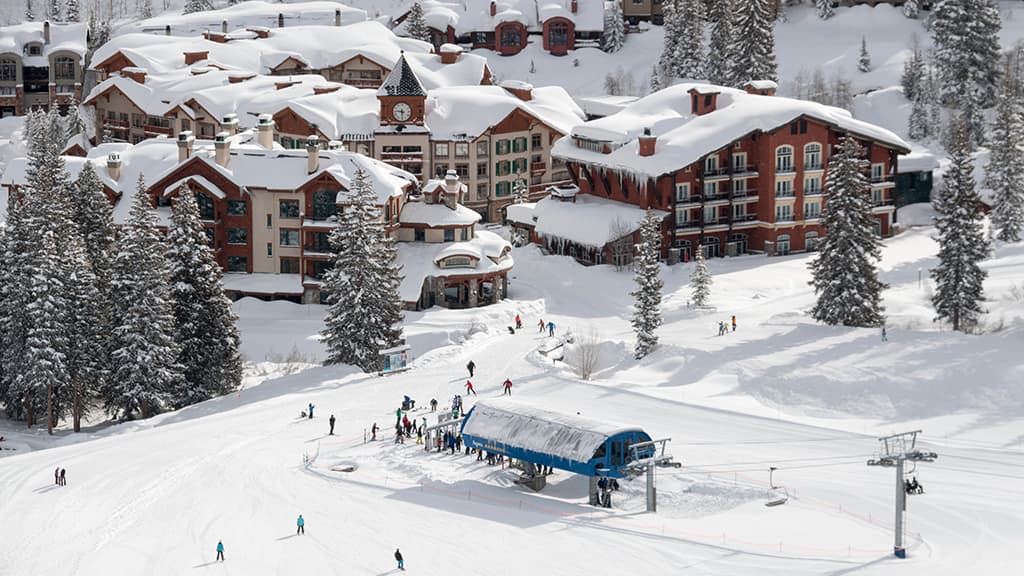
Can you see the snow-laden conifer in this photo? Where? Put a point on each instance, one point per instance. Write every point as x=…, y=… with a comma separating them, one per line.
x=87, y=321
x=416, y=24
x=614, y=36
x=45, y=374
x=966, y=38
x=144, y=8
x=911, y=9
x=753, y=42
x=192, y=6
x=844, y=274
x=691, y=52
x=864, y=61
x=647, y=296
x=824, y=9
x=720, y=56
x=1004, y=173
x=72, y=12
x=700, y=280
x=672, y=16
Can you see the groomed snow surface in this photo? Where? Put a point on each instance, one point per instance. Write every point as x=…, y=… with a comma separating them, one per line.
x=155, y=496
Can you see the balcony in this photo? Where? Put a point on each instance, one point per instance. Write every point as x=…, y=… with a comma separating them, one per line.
x=152, y=129
x=362, y=82
x=883, y=182
x=882, y=205
x=785, y=169
x=123, y=124
x=784, y=219
x=785, y=194
x=717, y=174
x=747, y=195
x=813, y=167
x=689, y=224
x=744, y=171
x=815, y=192
x=744, y=220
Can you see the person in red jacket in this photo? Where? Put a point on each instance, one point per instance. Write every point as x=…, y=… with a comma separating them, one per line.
x=508, y=387
x=469, y=388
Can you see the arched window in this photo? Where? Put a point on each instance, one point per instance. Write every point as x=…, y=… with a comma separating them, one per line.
x=511, y=36
x=811, y=241
x=812, y=156
x=205, y=206
x=8, y=70
x=64, y=68
x=782, y=245
x=784, y=159
x=711, y=246
x=558, y=34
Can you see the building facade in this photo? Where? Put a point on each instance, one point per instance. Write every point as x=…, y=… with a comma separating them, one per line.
x=41, y=66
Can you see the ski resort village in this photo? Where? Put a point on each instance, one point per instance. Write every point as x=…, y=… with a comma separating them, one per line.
x=504, y=287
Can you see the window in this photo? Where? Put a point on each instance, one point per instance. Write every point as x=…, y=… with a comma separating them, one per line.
x=462, y=150
x=711, y=165
x=783, y=188
x=449, y=235
x=462, y=170
x=290, y=238
x=270, y=249
x=784, y=213
x=710, y=190
x=877, y=172
x=501, y=168
x=481, y=170
x=159, y=121
x=288, y=208
x=519, y=165
x=710, y=245
x=784, y=159
x=238, y=264
x=812, y=156
x=238, y=236
x=502, y=188
x=270, y=221
x=812, y=210
x=501, y=147
x=739, y=162
x=205, y=206
x=682, y=191
x=463, y=234
x=782, y=245
x=811, y=241
x=325, y=204
x=558, y=34
x=710, y=214
x=138, y=120
x=237, y=208
x=812, y=185
x=481, y=190
x=535, y=142
x=519, y=144
x=511, y=36
x=441, y=150
x=419, y=235
x=35, y=50
x=458, y=262
x=481, y=149
x=739, y=211
x=8, y=70
x=877, y=197
x=64, y=68
x=289, y=265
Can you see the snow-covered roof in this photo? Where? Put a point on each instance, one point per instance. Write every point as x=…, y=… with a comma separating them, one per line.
x=201, y=181
x=346, y=114
x=63, y=37
x=401, y=81
x=263, y=283
x=762, y=84
x=684, y=138
x=521, y=213
x=590, y=220
x=514, y=423
x=465, y=112
x=254, y=13
x=601, y=106
x=475, y=16
x=415, y=212
x=418, y=260
x=917, y=161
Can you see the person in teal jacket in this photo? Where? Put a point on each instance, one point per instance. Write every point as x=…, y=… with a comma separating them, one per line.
x=220, y=551
x=301, y=525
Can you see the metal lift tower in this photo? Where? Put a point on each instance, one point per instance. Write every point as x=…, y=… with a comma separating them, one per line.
x=895, y=450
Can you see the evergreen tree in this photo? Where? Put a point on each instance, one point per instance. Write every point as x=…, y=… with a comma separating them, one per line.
x=824, y=9
x=87, y=321
x=966, y=38
x=46, y=372
x=72, y=11
x=99, y=30
x=700, y=280
x=656, y=80
x=720, y=56
x=204, y=323
x=844, y=275
x=416, y=26
x=362, y=287
x=670, y=54
x=520, y=191
x=53, y=10
x=918, y=128
x=691, y=54
x=14, y=277
x=1004, y=173
x=144, y=8
x=144, y=369
x=959, y=278
x=911, y=9
x=754, y=43
x=30, y=15
x=913, y=73
x=94, y=217
x=647, y=296
x=192, y=6
x=864, y=62
x=614, y=36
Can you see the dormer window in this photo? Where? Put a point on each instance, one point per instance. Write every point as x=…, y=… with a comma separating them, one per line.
x=457, y=262
x=34, y=49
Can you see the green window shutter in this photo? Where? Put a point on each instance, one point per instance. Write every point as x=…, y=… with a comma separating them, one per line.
x=497, y=147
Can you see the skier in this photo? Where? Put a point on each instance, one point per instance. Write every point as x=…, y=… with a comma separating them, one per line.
x=301, y=523
x=469, y=388
x=311, y=410
x=63, y=479
x=734, y=323
x=56, y=475
x=519, y=322
x=471, y=366
x=551, y=329
x=884, y=337
x=373, y=431
x=331, y=433
x=220, y=551
x=508, y=387
x=398, y=556
x=433, y=404
x=540, y=325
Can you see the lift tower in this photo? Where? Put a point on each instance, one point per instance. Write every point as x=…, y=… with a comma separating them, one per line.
x=895, y=450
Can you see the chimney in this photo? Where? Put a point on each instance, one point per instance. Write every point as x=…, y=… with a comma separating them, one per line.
x=185, y=141
x=574, y=6
x=114, y=166
x=521, y=90
x=336, y=145
x=193, y=57
x=647, y=143
x=326, y=88
x=229, y=124
x=451, y=186
x=240, y=77
x=494, y=8
x=450, y=53
x=761, y=87
x=337, y=17
x=312, y=154
x=167, y=30
x=136, y=74
x=46, y=32
x=703, y=101
x=284, y=84
x=223, y=26
x=260, y=31
x=265, y=131
x=280, y=20
x=221, y=149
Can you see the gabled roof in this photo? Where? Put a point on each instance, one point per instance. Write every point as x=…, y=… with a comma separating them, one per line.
x=402, y=81
x=63, y=37
x=475, y=15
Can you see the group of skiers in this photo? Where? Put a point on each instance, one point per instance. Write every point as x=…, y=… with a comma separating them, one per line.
x=60, y=477
x=723, y=327
x=606, y=487
x=308, y=413
x=301, y=529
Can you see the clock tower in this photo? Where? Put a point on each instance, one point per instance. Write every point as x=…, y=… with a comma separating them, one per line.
x=402, y=97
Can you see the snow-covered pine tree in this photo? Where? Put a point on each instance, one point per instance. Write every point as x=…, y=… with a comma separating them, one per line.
x=13, y=304
x=1004, y=173
x=844, y=274
x=87, y=321
x=46, y=373
x=144, y=8
x=520, y=191
x=692, y=55
x=966, y=38
x=672, y=16
x=932, y=99
x=913, y=73
x=144, y=368
x=918, y=127
x=72, y=12
x=959, y=278
x=720, y=56
x=700, y=280
x=416, y=24
x=754, y=42
x=192, y=6
x=30, y=15
x=655, y=81
x=99, y=30
x=824, y=9
x=53, y=10
x=204, y=324
x=614, y=36
x=864, y=62
x=911, y=9
x=647, y=296
x=94, y=217
x=362, y=286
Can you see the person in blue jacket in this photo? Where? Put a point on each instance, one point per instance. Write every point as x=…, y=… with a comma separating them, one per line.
x=401, y=562
x=220, y=551
x=301, y=523
x=311, y=410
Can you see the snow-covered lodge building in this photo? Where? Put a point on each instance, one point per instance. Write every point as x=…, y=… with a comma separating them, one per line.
x=736, y=170
x=41, y=65
x=268, y=213
x=506, y=25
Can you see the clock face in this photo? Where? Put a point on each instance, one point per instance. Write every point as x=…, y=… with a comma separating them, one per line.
x=401, y=111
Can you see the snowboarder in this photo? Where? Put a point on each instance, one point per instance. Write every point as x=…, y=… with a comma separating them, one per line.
x=433, y=404
x=540, y=325
x=519, y=322
x=469, y=388
x=471, y=366
x=331, y=433
x=508, y=387
x=398, y=556
x=373, y=431
x=63, y=479
x=884, y=337
x=551, y=329
x=220, y=551
x=56, y=475
x=301, y=523
x=734, y=323
x=311, y=410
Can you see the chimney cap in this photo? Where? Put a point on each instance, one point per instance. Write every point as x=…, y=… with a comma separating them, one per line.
x=185, y=135
x=231, y=118
x=220, y=137
x=113, y=158
x=647, y=131
x=264, y=120
x=451, y=175
x=312, y=140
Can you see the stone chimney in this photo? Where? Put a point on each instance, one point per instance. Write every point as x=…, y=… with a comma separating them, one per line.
x=46, y=32
x=450, y=53
x=229, y=124
x=337, y=17
x=223, y=26
x=647, y=143
x=761, y=87
x=114, y=166
x=265, y=131
x=185, y=141
x=193, y=57
x=312, y=154
x=574, y=6
x=335, y=145
x=451, y=186
x=494, y=8
x=167, y=30
x=136, y=74
x=221, y=149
